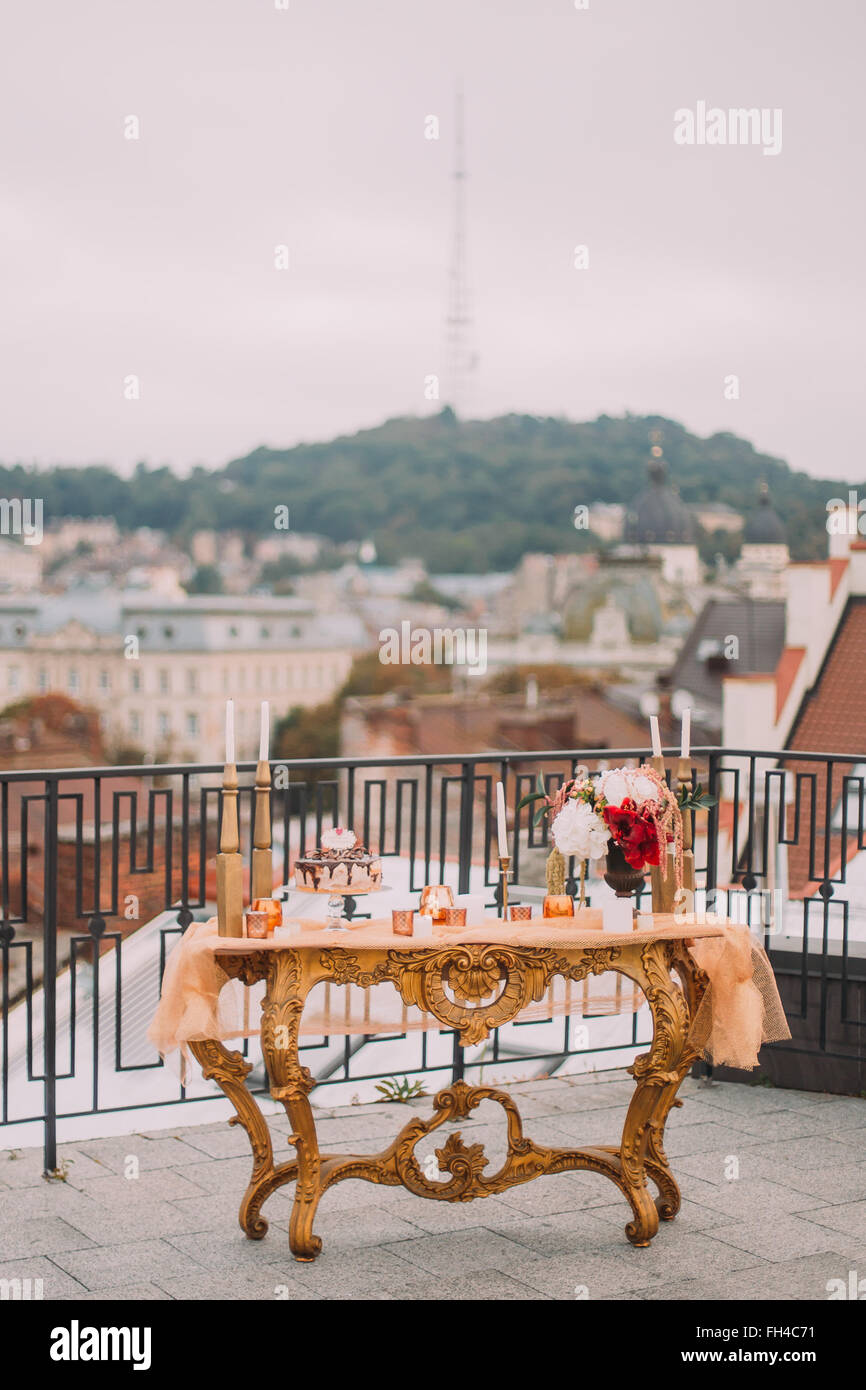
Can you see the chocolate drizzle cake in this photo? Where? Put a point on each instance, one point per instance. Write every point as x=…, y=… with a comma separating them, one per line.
x=339, y=862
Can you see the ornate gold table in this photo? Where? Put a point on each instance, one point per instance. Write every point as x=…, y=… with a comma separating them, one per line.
x=454, y=981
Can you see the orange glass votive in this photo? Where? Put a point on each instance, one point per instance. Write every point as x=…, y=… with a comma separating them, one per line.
x=257, y=925
x=520, y=912
x=434, y=900
x=558, y=905
x=454, y=917
x=274, y=909
x=402, y=921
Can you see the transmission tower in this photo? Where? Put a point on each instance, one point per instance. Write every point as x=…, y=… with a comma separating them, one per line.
x=461, y=358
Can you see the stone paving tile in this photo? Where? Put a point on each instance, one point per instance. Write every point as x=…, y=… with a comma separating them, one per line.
x=782, y=1237
x=836, y=1114
x=340, y=1273
x=120, y=1266
x=227, y=1143
x=56, y=1283
x=140, y=1221
x=688, y=1254
x=436, y=1217
x=816, y=1154
x=569, y=1233
x=778, y=1124
x=803, y=1279
x=852, y=1140
x=219, y=1174
x=40, y=1236
x=592, y=1274
x=23, y=1170
x=745, y=1099
x=489, y=1284
x=137, y=1293
x=845, y=1184
x=158, y=1185
x=704, y=1138
x=580, y=1191
x=151, y=1153
x=848, y=1217
x=740, y=1200
x=464, y=1251
x=714, y=1167
x=246, y=1286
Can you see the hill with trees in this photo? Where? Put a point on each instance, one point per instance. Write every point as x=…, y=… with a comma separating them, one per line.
x=461, y=495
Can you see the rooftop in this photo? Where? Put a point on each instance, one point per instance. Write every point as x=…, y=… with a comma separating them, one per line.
x=791, y=1219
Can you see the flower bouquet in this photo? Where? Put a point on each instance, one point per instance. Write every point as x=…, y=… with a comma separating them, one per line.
x=629, y=815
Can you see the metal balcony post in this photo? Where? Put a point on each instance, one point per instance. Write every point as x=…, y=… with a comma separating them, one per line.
x=49, y=974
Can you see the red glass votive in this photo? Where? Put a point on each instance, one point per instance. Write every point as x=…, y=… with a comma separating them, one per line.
x=454, y=917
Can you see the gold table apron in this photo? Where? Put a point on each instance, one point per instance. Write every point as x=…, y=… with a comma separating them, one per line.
x=454, y=983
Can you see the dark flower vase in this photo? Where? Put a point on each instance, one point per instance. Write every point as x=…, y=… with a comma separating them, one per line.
x=622, y=878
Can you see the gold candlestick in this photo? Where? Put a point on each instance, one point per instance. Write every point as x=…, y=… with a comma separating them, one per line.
x=684, y=779
x=663, y=883
x=262, y=880
x=503, y=886
x=229, y=863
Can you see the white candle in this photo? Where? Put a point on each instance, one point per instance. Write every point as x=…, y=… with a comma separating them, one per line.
x=654, y=735
x=230, y=731
x=501, y=824
x=264, y=732
x=686, y=733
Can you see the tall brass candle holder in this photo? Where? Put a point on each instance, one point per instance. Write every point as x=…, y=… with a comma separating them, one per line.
x=229, y=863
x=504, y=863
x=684, y=779
x=663, y=882
x=262, y=879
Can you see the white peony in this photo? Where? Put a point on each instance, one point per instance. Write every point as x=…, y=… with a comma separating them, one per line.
x=614, y=786
x=644, y=789
x=338, y=838
x=579, y=831
x=621, y=782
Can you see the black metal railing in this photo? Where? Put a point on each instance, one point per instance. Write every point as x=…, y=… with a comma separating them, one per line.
x=101, y=869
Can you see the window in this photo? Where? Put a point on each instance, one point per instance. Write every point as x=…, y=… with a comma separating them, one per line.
x=164, y=683
x=134, y=722
x=104, y=680
x=13, y=678
x=42, y=679
x=72, y=681
x=192, y=726
x=135, y=680
x=264, y=633
x=163, y=723
x=233, y=632
x=168, y=632
x=192, y=681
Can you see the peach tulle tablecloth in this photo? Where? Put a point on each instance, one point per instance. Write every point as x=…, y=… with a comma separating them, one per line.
x=740, y=1009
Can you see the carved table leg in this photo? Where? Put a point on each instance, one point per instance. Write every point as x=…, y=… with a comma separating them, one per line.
x=230, y=1070
x=658, y=1074
x=291, y=1083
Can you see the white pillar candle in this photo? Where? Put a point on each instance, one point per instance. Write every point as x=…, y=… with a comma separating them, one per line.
x=654, y=735
x=230, y=731
x=264, y=732
x=686, y=733
x=501, y=824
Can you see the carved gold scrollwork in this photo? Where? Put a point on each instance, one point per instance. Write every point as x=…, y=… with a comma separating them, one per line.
x=471, y=988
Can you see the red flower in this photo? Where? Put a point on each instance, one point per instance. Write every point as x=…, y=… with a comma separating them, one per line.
x=634, y=833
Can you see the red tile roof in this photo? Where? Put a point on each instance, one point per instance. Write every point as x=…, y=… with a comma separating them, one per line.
x=832, y=719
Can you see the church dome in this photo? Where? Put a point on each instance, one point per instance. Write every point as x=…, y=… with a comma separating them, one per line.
x=763, y=525
x=658, y=516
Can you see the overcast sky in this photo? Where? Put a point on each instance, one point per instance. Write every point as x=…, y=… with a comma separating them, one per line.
x=306, y=127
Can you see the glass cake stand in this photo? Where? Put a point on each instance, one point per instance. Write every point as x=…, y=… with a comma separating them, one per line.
x=337, y=918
